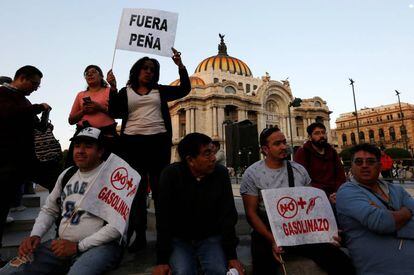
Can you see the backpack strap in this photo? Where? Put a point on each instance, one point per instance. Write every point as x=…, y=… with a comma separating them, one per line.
x=68, y=175
x=290, y=174
x=65, y=179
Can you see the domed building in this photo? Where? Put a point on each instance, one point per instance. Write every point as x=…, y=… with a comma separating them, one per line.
x=225, y=91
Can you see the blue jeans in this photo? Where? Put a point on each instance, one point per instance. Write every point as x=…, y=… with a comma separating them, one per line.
x=93, y=261
x=208, y=252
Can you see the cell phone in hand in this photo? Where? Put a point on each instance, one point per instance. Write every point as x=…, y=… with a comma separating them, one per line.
x=87, y=99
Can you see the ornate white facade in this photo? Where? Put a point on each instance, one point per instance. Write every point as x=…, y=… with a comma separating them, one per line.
x=224, y=89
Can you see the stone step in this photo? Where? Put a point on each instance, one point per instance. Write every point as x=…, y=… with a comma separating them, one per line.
x=31, y=200
x=23, y=220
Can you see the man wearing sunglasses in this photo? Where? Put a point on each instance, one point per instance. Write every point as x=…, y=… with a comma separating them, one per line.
x=376, y=217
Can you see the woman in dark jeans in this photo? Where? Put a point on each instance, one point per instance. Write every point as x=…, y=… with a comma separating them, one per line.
x=90, y=108
x=146, y=132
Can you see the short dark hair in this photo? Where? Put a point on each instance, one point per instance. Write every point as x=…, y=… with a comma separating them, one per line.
x=314, y=125
x=28, y=71
x=266, y=133
x=136, y=68
x=366, y=147
x=5, y=79
x=190, y=145
x=216, y=143
x=96, y=67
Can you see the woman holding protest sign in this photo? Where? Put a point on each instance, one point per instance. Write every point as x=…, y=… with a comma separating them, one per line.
x=91, y=108
x=146, y=131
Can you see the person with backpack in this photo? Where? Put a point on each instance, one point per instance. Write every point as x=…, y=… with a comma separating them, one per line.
x=321, y=161
x=275, y=171
x=86, y=244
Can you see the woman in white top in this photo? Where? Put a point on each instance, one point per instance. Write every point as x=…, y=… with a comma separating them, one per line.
x=146, y=131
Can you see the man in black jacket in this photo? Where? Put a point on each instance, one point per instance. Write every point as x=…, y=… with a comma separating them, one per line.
x=16, y=134
x=196, y=213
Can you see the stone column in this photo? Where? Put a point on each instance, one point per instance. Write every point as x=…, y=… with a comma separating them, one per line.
x=305, y=126
x=214, y=121
x=193, y=121
x=261, y=122
x=284, y=126
x=176, y=126
x=288, y=126
x=209, y=121
x=187, y=121
x=220, y=120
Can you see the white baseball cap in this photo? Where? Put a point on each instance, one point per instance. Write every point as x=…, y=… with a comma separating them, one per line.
x=90, y=133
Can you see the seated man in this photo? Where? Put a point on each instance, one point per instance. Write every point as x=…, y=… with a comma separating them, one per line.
x=86, y=243
x=273, y=172
x=376, y=217
x=196, y=213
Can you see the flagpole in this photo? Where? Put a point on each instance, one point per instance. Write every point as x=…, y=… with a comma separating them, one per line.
x=117, y=37
x=113, y=58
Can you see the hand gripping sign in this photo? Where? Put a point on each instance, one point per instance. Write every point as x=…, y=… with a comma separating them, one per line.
x=111, y=194
x=148, y=31
x=299, y=215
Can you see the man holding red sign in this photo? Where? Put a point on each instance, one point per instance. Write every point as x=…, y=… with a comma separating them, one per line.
x=276, y=172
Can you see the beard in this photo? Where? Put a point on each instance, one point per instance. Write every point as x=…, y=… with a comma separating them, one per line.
x=322, y=143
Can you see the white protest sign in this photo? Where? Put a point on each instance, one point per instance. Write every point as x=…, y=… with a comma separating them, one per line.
x=111, y=195
x=148, y=31
x=299, y=215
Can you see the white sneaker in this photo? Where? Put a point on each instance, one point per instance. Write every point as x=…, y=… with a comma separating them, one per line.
x=18, y=208
x=9, y=219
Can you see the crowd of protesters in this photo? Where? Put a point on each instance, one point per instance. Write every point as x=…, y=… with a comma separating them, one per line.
x=194, y=205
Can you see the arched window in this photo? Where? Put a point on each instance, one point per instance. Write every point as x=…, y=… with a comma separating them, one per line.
x=317, y=104
x=230, y=90
x=361, y=137
x=371, y=136
x=344, y=139
x=353, y=140
x=392, y=133
x=247, y=88
x=381, y=134
x=403, y=131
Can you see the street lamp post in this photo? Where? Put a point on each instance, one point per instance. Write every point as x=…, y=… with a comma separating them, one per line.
x=295, y=103
x=356, y=112
x=404, y=134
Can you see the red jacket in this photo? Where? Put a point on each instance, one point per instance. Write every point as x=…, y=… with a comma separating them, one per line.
x=386, y=162
x=326, y=171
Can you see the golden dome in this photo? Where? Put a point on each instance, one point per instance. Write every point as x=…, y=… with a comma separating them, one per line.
x=194, y=80
x=223, y=62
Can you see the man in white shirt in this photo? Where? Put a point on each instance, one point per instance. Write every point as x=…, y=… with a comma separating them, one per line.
x=86, y=244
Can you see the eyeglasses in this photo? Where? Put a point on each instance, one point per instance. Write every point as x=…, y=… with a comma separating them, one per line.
x=368, y=161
